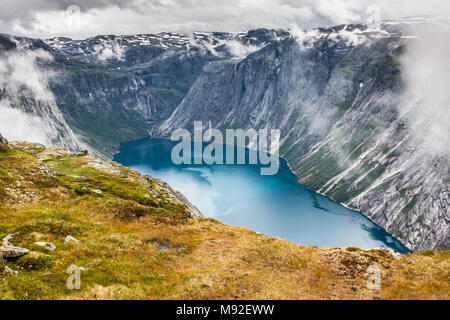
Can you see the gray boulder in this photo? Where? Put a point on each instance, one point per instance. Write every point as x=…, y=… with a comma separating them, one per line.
x=47, y=245
x=47, y=171
x=12, y=252
x=69, y=238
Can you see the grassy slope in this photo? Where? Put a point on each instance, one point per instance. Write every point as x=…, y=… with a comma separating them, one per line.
x=138, y=244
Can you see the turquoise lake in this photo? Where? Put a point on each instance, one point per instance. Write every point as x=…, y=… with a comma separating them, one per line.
x=277, y=206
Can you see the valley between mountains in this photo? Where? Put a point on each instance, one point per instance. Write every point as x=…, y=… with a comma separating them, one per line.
x=341, y=96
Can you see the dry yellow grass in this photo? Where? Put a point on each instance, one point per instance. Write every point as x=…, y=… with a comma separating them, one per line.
x=138, y=245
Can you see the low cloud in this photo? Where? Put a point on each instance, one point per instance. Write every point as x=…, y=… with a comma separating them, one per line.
x=28, y=111
x=109, y=50
x=17, y=125
x=238, y=50
x=426, y=102
x=20, y=76
x=19, y=71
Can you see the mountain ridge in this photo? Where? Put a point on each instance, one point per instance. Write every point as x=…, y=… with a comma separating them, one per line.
x=360, y=152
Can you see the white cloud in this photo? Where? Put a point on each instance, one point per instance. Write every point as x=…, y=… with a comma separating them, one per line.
x=49, y=18
x=305, y=39
x=351, y=38
x=109, y=50
x=17, y=125
x=239, y=50
x=20, y=75
x=19, y=70
x=426, y=102
x=28, y=110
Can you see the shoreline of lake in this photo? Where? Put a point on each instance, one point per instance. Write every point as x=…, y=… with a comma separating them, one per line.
x=351, y=212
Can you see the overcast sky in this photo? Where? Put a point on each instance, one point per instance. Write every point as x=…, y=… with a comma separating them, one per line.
x=84, y=18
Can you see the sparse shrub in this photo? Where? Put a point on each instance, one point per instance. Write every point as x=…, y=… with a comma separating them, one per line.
x=35, y=261
x=127, y=209
x=409, y=205
x=427, y=253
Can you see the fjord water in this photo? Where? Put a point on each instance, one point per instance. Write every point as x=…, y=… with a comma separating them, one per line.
x=276, y=206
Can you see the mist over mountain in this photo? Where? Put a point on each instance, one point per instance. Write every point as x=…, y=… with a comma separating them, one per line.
x=27, y=106
x=363, y=112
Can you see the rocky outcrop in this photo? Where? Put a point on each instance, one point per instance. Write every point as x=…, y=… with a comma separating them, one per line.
x=8, y=270
x=155, y=186
x=3, y=140
x=195, y=213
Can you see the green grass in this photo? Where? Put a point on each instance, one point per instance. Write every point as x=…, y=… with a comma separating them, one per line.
x=107, y=123
x=320, y=167
x=131, y=249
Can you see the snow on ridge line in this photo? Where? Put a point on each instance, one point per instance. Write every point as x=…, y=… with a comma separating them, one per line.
x=239, y=44
x=103, y=48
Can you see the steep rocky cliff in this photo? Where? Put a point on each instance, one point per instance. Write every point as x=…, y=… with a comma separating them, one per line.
x=117, y=88
x=334, y=94
x=337, y=95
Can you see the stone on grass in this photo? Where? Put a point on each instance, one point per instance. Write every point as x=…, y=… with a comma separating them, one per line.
x=47, y=245
x=7, y=238
x=69, y=238
x=12, y=252
x=11, y=271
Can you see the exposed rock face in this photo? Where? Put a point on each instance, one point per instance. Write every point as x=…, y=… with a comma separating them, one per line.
x=333, y=93
x=154, y=185
x=118, y=88
x=335, y=104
